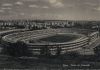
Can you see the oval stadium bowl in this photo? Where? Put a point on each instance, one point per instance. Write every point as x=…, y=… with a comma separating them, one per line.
x=54, y=40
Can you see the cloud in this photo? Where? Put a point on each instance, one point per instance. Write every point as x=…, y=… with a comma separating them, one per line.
x=1, y=11
x=7, y=4
x=56, y=3
x=52, y=1
x=22, y=13
x=70, y=5
x=6, y=8
x=28, y=0
x=46, y=7
x=59, y=4
x=98, y=8
x=19, y=3
x=33, y=6
x=90, y=4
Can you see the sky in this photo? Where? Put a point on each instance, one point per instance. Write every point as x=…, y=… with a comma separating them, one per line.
x=50, y=9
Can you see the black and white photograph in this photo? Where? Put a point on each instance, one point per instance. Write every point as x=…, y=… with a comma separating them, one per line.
x=49, y=34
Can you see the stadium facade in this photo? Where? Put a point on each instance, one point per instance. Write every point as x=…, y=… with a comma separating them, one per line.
x=85, y=38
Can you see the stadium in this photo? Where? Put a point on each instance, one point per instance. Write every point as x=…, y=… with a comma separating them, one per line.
x=67, y=39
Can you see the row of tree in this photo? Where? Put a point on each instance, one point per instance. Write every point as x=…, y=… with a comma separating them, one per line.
x=97, y=51
x=15, y=49
x=20, y=48
x=46, y=51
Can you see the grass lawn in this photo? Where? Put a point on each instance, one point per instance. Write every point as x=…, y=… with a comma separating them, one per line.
x=59, y=38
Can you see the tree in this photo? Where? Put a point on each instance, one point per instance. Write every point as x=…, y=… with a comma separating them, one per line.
x=58, y=51
x=97, y=50
x=16, y=49
x=45, y=51
x=72, y=54
x=21, y=49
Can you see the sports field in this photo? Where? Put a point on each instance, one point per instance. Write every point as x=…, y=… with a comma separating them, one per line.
x=59, y=38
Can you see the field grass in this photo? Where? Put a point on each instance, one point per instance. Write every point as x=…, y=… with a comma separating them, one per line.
x=59, y=38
